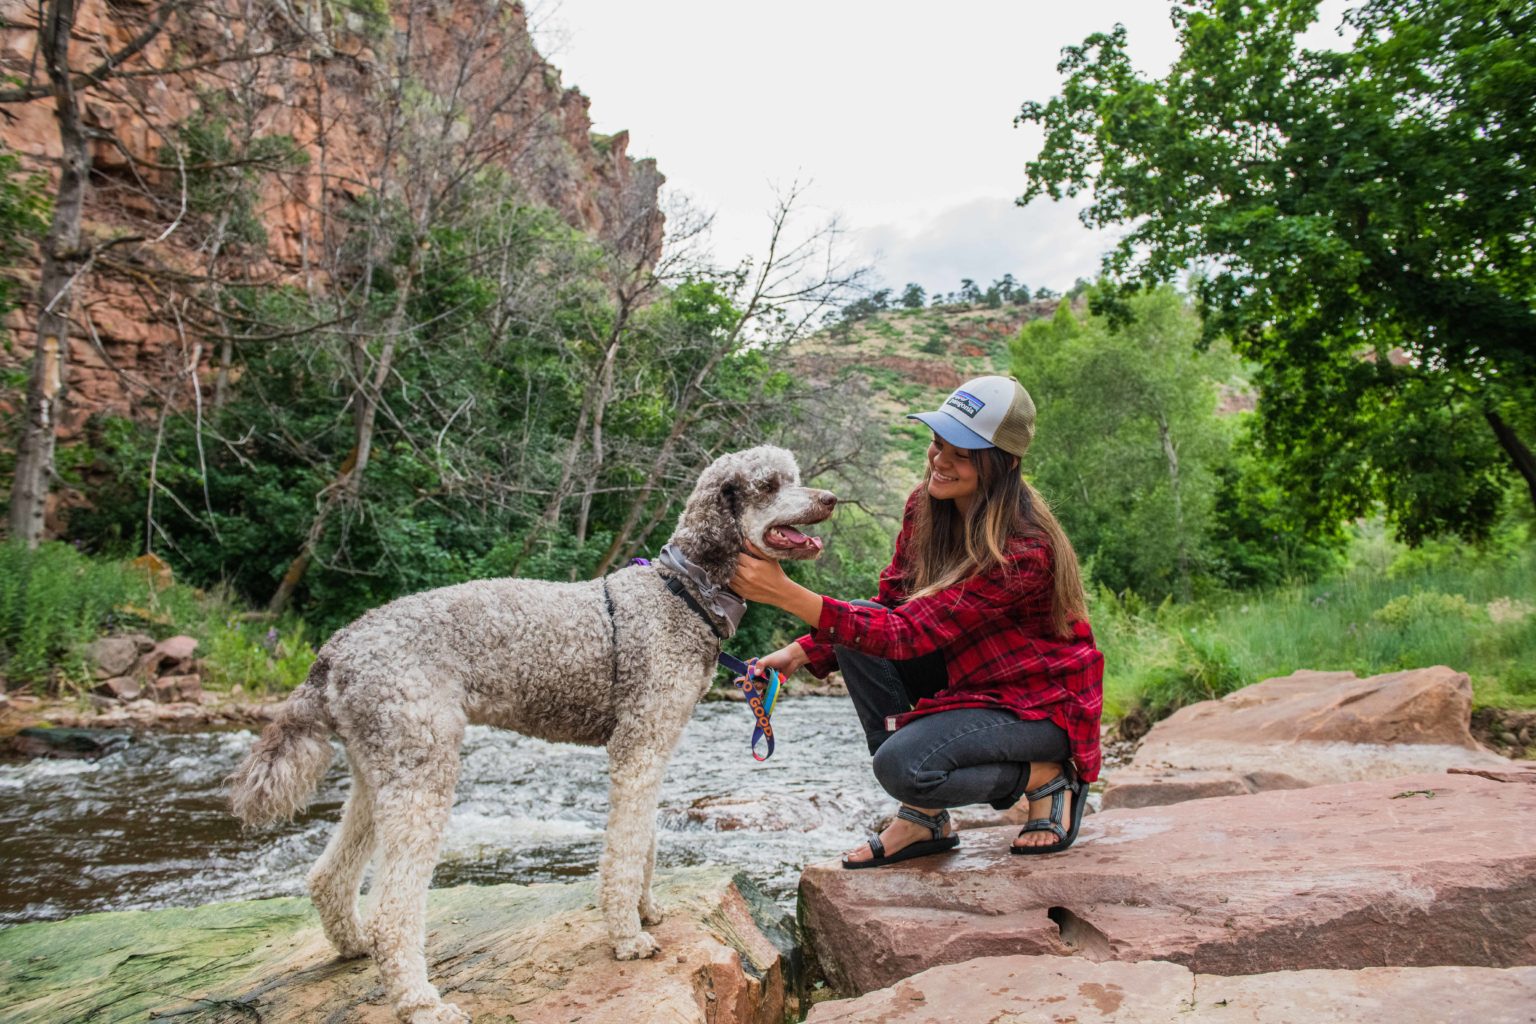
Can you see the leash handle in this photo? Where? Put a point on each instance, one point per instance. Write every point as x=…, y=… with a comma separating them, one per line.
x=762, y=693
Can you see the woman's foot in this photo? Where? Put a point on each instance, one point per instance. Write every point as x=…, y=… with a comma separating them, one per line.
x=1040, y=773
x=899, y=835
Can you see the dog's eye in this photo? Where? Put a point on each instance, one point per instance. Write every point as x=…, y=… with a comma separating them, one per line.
x=768, y=486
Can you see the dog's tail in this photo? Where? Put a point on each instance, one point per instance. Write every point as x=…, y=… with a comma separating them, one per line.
x=284, y=768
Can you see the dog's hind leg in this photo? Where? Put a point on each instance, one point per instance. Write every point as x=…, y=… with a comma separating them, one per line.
x=337, y=876
x=410, y=812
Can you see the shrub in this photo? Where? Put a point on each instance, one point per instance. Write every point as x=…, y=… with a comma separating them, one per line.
x=1426, y=606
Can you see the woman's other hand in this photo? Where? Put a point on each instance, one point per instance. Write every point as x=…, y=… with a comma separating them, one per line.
x=786, y=660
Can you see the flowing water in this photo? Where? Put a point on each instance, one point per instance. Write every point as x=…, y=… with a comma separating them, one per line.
x=147, y=827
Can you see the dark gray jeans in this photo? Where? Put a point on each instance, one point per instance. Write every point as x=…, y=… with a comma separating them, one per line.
x=948, y=758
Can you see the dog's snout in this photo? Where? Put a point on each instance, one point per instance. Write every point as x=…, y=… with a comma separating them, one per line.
x=827, y=498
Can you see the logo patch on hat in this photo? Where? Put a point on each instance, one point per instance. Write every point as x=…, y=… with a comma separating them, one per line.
x=966, y=403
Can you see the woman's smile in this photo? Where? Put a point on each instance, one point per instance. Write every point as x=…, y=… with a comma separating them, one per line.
x=951, y=473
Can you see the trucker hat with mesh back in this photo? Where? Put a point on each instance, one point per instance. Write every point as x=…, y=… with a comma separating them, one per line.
x=985, y=412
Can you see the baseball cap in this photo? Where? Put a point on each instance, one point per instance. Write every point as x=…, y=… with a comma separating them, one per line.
x=985, y=412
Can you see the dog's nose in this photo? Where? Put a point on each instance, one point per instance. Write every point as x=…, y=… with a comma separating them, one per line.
x=828, y=498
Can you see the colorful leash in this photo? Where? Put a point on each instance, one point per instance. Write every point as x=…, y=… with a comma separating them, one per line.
x=762, y=692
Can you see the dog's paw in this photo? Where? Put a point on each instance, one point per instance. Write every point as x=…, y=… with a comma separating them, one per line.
x=641, y=947
x=650, y=913
x=442, y=1013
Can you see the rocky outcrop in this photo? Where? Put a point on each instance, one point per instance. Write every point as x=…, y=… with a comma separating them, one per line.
x=536, y=954
x=1033, y=988
x=1422, y=870
x=1305, y=729
x=313, y=89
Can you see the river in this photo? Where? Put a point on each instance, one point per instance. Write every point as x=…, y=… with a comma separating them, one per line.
x=146, y=826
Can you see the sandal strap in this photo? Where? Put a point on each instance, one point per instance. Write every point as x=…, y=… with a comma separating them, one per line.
x=1044, y=825
x=933, y=822
x=876, y=847
x=1056, y=785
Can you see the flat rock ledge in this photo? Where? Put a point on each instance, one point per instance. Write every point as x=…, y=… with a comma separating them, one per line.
x=1040, y=988
x=1423, y=870
x=534, y=954
x=1305, y=729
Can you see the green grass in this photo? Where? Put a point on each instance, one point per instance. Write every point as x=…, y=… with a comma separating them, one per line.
x=1392, y=609
x=55, y=600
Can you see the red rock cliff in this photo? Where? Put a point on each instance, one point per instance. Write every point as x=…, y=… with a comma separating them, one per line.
x=268, y=69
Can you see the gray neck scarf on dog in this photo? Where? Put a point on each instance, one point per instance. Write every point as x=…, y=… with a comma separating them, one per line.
x=721, y=602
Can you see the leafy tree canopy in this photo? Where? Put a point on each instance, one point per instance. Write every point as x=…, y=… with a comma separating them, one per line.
x=1364, y=218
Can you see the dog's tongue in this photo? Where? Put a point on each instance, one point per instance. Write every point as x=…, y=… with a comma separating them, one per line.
x=794, y=536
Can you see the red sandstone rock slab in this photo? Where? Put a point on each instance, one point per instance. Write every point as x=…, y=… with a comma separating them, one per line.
x=534, y=954
x=1305, y=729
x=1033, y=988
x=1413, y=871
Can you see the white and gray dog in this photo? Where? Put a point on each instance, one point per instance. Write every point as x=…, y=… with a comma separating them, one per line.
x=619, y=661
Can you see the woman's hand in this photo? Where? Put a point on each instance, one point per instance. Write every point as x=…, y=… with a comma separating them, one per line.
x=787, y=660
x=762, y=580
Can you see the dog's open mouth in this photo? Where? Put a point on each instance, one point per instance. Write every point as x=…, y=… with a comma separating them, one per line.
x=791, y=541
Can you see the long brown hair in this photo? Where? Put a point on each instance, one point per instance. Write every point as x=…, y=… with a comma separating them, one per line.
x=947, y=547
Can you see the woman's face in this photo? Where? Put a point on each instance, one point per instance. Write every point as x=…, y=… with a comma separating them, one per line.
x=951, y=473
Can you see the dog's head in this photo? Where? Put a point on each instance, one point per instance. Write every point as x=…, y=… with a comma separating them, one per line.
x=751, y=498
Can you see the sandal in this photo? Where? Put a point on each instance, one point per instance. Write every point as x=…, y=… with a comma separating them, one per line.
x=1054, y=789
x=921, y=848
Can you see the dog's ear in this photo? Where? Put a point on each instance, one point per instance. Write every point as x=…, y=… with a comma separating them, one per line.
x=709, y=530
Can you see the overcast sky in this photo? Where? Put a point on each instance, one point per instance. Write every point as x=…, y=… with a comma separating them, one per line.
x=898, y=113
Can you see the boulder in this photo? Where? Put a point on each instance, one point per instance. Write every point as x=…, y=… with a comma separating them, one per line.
x=1414, y=871
x=88, y=744
x=120, y=688
x=168, y=689
x=537, y=954
x=1305, y=729
x=112, y=656
x=166, y=657
x=1039, y=988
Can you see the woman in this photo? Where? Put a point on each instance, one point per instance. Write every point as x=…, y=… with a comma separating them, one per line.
x=973, y=672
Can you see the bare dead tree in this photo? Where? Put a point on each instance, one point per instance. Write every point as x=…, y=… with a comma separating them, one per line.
x=801, y=275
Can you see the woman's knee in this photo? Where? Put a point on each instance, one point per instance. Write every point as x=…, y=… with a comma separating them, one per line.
x=901, y=777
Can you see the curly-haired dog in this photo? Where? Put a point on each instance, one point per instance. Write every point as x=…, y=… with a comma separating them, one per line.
x=619, y=661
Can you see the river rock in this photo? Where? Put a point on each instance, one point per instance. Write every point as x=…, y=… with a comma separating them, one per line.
x=112, y=656
x=1305, y=729
x=169, y=689
x=120, y=688
x=1040, y=988
x=67, y=743
x=1414, y=871
x=172, y=656
x=537, y=954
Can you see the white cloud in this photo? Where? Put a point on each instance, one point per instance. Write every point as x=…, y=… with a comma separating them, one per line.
x=1043, y=244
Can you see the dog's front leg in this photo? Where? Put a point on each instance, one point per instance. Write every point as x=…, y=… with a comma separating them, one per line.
x=635, y=772
x=650, y=913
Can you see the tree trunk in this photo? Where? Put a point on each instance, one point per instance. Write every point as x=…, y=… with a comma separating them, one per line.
x=62, y=263
x=1172, y=455
x=367, y=396
x=1519, y=454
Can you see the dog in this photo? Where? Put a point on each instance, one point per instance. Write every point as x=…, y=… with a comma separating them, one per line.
x=618, y=661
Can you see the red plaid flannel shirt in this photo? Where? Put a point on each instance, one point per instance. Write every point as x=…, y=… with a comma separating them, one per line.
x=995, y=632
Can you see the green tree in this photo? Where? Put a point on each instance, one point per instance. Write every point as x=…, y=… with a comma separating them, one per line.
x=1129, y=440
x=913, y=296
x=1367, y=215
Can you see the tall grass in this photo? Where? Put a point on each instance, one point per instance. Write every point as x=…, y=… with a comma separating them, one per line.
x=55, y=600
x=1392, y=609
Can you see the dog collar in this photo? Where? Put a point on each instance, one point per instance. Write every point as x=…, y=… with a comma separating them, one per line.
x=715, y=603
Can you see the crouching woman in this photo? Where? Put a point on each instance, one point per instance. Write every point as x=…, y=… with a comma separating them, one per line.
x=973, y=672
